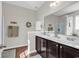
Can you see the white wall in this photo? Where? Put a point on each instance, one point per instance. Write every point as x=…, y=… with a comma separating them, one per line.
x=1, y=24
x=21, y=16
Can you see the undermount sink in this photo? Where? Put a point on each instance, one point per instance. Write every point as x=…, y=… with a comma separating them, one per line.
x=71, y=39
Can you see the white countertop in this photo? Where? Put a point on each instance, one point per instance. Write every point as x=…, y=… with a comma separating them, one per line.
x=62, y=40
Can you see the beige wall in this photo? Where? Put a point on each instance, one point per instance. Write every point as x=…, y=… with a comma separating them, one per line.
x=21, y=16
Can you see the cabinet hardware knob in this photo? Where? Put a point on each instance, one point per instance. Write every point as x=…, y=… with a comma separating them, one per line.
x=57, y=45
x=60, y=46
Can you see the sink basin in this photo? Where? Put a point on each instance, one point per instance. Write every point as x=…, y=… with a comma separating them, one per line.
x=48, y=34
x=71, y=39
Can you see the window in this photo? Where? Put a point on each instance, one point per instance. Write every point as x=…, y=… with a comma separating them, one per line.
x=69, y=25
x=77, y=23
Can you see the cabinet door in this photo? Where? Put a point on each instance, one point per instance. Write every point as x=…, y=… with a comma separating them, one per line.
x=43, y=48
x=38, y=44
x=41, y=44
x=69, y=52
x=52, y=49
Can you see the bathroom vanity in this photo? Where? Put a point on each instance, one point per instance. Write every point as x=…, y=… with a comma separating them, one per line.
x=55, y=47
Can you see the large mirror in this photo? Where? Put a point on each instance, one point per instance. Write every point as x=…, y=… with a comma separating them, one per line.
x=58, y=24
x=66, y=24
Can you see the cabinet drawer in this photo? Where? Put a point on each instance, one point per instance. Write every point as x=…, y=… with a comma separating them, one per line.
x=51, y=43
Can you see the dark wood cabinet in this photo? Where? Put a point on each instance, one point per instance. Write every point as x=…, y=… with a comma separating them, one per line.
x=50, y=49
x=43, y=48
x=38, y=44
x=41, y=45
x=68, y=52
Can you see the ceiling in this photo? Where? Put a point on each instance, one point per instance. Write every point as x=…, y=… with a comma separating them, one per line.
x=70, y=7
x=34, y=5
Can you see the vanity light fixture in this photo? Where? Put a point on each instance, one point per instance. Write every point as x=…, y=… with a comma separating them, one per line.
x=54, y=3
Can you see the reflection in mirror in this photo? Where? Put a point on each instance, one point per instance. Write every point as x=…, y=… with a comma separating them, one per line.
x=57, y=24
x=67, y=24
x=73, y=19
x=76, y=25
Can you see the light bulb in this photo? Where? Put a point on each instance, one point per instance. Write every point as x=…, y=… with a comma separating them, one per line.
x=54, y=3
x=51, y=4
